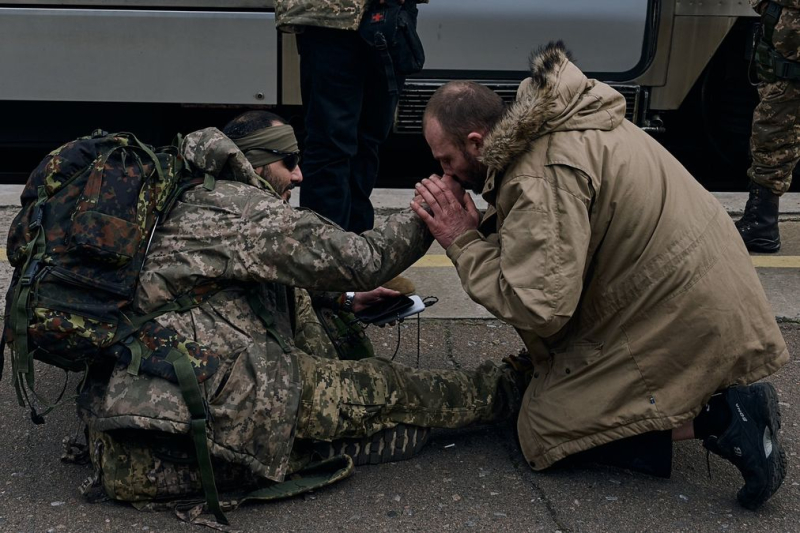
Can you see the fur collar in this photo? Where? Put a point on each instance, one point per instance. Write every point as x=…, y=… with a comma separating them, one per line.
x=523, y=120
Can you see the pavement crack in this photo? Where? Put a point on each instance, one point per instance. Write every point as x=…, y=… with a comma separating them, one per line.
x=448, y=345
x=511, y=446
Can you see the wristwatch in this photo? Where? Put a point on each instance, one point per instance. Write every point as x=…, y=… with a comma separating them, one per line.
x=347, y=303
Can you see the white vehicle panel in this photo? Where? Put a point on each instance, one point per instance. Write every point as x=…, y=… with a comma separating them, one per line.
x=114, y=55
x=605, y=36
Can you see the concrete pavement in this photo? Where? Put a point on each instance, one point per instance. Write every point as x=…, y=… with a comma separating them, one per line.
x=466, y=480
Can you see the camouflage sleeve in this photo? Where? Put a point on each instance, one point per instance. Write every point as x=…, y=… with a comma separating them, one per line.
x=310, y=335
x=791, y=4
x=296, y=247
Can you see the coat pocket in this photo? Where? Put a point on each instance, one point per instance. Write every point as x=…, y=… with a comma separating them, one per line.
x=363, y=398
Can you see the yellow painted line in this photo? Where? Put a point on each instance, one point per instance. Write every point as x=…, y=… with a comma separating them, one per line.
x=776, y=261
x=433, y=261
x=442, y=261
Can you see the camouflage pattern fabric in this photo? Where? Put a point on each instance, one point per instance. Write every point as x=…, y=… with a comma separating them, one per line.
x=336, y=14
x=309, y=333
x=248, y=240
x=327, y=332
x=292, y=15
x=156, y=343
x=775, y=141
x=350, y=399
x=157, y=472
x=786, y=37
x=103, y=196
x=139, y=466
x=346, y=333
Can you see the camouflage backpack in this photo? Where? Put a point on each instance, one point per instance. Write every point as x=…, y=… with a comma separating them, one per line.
x=89, y=211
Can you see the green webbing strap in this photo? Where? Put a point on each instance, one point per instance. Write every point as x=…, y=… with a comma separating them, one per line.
x=179, y=305
x=139, y=351
x=22, y=357
x=152, y=156
x=194, y=401
x=269, y=321
x=769, y=19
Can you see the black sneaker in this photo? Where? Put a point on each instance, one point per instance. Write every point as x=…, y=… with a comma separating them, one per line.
x=751, y=442
x=394, y=444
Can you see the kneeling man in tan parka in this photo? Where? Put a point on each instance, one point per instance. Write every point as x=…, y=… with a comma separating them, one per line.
x=642, y=314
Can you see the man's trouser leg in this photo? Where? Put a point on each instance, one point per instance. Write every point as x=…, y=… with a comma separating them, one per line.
x=775, y=142
x=351, y=399
x=375, y=123
x=332, y=74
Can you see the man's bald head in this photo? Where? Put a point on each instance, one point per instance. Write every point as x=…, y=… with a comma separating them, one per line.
x=462, y=107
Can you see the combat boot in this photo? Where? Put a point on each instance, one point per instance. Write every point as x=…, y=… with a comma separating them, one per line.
x=751, y=443
x=393, y=444
x=759, y=223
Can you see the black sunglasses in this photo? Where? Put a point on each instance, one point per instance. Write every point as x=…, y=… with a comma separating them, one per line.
x=290, y=159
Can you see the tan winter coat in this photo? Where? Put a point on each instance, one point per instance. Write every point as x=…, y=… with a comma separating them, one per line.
x=627, y=281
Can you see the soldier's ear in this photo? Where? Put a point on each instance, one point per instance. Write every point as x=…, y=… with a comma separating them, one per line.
x=475, y=142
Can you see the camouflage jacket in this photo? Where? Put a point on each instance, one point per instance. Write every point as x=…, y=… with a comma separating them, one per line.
x=759, y=5
x=291, y=15
x=786, y=37
x=249, y=241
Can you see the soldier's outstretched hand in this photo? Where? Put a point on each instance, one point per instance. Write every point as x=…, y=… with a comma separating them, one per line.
x=449, y=217
x=363, y=300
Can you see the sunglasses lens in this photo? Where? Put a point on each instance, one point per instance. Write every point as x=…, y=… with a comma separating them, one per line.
x=291, y=161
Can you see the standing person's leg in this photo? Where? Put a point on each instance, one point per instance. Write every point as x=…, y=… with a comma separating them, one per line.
x=355, y=399
x=775, y=142
x=775, y=146
x=331, y=78
x=375, y=123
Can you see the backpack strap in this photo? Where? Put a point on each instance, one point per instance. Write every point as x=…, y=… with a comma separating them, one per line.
x=194, y=401
x=21, y=356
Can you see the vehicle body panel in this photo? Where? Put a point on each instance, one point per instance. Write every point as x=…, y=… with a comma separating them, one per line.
x=496, y=38
x=116, y=55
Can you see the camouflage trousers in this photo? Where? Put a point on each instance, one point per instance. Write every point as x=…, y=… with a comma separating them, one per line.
x=352, y=399
x=775, y=142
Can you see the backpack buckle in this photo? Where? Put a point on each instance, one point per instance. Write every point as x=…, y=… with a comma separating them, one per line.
x=30, y=273
x=36, y=223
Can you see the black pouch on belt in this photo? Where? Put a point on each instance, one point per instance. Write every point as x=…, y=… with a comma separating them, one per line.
x=391, y=29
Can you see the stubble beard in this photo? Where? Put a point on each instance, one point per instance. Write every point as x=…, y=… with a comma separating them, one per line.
x=476, y=174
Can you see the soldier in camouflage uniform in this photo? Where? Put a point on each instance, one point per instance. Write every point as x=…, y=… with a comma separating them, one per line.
x=775, y=141
x=269, y=399
x=349, y=104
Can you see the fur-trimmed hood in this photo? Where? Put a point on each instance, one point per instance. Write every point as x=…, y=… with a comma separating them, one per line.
x=556, y=97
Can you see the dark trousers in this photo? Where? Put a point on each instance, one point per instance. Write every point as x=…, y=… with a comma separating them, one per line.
x=348, y=114
x=648, y=453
